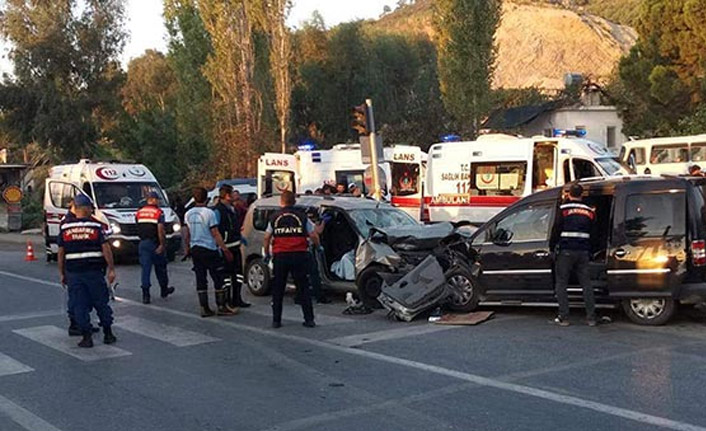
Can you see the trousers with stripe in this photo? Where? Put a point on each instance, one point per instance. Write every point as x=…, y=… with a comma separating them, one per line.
x=233, y=276
x=149, y=258
x=89, y=290
x=208, y=262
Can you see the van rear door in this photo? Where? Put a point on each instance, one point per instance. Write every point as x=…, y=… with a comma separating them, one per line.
x=647, y=255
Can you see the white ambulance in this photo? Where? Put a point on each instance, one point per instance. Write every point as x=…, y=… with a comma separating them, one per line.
x=672, y=155
x=403, y=167
x=276, y=173
x=117, y=190
x=475, y=180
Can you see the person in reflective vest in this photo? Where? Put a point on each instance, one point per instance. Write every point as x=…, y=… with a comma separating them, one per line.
x=153, y=247
x=229, y=227
x=574, y=254
x=289, y=231
x=83, y=258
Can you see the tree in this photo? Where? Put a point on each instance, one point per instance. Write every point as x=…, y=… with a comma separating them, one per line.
x=66, y=72
x=189, y=48
x=466, y=57
x=237, y=104
x=662, y=80
x=273, y=16
x=148, y=129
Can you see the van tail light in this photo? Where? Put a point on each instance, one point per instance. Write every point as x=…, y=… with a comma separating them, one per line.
x=698, y=252
x=424, y=216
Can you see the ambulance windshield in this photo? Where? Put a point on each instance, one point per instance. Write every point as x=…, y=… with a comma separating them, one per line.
x=126, y=194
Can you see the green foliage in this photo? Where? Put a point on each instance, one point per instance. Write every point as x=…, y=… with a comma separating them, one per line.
x=189, y=47
x=466, y=57
x=339, y=69
x=661, y=82
x=63, y=93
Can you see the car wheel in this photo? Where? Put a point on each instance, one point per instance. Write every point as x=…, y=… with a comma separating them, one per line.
x=258, y=277
x=464, y=291
x=369, y=286
x=649, y=311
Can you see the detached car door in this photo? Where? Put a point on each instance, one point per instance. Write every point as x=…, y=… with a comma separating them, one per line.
x=647, y=255
x=514, y=252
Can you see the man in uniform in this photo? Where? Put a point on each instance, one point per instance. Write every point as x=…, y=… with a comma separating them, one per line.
x=229, y=222
x=203, y=241
x=153, y=247
x=289, y=232
x=83, y=257
x=574, y=254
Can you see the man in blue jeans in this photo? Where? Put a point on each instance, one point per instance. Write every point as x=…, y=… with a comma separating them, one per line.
x=153, y=247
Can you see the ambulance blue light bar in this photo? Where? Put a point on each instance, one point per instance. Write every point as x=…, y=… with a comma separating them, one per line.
x=560, y=133
x=307, y=146
x=450, y=138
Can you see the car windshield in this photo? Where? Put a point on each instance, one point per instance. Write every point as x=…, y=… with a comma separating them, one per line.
x=126, y=195
x=381, y=218
x=609, y=165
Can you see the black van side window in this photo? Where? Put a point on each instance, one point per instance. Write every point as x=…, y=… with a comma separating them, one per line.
x=655, y=215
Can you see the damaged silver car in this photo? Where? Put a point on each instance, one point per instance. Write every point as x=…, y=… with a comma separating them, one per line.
x=403, y=269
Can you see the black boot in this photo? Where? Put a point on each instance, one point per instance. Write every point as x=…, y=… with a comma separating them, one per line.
x=203, y=304
x=237, y=299
x=74, y=330
x=166, y=291
x=146, y=298
x=223, y=310
x=86, y=341
x=108, y=336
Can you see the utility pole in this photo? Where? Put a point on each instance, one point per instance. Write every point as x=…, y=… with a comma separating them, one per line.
x=377, y=192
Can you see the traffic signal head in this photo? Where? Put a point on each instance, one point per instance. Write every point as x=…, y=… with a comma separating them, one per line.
x=360, y=120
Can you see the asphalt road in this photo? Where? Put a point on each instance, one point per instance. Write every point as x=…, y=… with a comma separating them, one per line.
x=172, y=370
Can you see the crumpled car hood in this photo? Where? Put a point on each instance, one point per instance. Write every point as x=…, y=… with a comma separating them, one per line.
x=414, y=237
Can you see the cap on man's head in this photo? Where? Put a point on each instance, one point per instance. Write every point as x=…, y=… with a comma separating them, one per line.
x=152, y=195
x=352, y=186
x=576, y=190
x=82, y=201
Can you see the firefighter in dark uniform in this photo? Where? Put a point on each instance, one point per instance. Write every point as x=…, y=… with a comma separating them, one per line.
x=574, y=254
x=84, y=255
x=289, y=232
x=229, y=223
x=153, y=247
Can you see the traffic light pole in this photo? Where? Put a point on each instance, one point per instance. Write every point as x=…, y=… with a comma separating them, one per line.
x=377, y=193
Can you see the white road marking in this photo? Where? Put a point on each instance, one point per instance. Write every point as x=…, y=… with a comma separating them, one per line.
x=33, y=315
x=390, y=334
x=24, y=417
x=471, y=378
x=159, y=331
x=295, y=314
x=9, y=366
x=57, y=339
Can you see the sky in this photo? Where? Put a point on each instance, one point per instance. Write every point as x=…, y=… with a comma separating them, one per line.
x=146, y=27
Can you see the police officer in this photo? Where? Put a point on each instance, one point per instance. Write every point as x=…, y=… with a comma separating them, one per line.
x=83, y=257
x=153, y=247
x=203, y=242
x=574, y=254
x=289, y=232
x=229, y=227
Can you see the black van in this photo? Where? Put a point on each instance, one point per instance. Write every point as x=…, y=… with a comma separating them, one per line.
x=648, y=251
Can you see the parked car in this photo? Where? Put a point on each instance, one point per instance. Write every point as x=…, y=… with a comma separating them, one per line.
x=246, y=186
x=350, y=222
x=648, y=248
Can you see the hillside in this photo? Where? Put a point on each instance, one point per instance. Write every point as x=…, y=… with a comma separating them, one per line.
x=537, y=42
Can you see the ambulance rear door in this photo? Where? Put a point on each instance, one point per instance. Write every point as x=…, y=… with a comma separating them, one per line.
x=57, y=200
x=276, y=173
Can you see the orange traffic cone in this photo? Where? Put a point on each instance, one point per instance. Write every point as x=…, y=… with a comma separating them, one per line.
x=30, y=252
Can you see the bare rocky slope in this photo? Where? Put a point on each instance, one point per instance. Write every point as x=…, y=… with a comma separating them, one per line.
x=537, y=43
